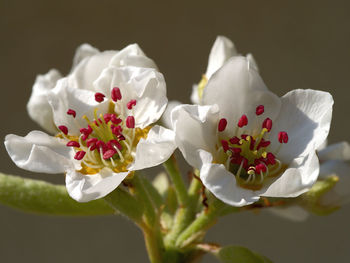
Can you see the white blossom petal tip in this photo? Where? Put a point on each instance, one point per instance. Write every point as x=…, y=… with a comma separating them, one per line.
x=85, y=188
x=38, y=106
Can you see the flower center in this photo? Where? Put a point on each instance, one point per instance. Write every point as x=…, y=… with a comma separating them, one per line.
x=109, y=140
x=248, y=156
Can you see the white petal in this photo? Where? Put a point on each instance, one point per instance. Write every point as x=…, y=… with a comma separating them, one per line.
x=38, y=107
x=340, y=194
x=145, y=85
x=64, y=97
x=39, y=152
x=306, y=116
x=300, y=175
x=238, y=89
x=252, y=62
x=223, y=184
x=89, y=69
x=221, y=51
x=155, y=149
x=323, y=145
x=195, y=128
x=165, y=120
x=82, y=52
x=293, y=213
x=337, y=151
x=195, y=95
x=84, y=188
x=132, y=55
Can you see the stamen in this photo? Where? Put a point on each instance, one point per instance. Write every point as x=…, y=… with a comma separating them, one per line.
x=130, y=122
x=73, y=144
x=222, y=124
x=116, y=94
x=63, y=129
x=99, y=97
x=108, y=154
x=282, y=137
x=243, y=121
x=259, y=110
x=71, y=112
x=130, y=104
x=260, y=168
x=267, y=124
x=224, y=145
x=79, y=155
x=234, y=140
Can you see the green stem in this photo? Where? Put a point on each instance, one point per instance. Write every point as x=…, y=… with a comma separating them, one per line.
x=175, y=175
x=201, y=223
x=145, y=199
x=123, y=202
x=184, y=213
x=154, y=244
x=193, y=190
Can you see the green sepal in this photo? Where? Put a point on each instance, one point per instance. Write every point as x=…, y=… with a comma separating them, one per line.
x=236, y=254
x=312, y=200
x=41, y=197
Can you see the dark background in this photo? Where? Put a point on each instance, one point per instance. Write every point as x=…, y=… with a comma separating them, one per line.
x=297, y=44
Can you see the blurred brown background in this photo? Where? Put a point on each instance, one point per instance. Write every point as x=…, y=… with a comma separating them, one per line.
x=298, y=44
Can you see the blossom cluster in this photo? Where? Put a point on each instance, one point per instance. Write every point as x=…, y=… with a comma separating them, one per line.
x=110, y=117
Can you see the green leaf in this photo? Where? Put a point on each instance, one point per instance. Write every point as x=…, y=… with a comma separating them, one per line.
x=235, y=254
x=45, y=198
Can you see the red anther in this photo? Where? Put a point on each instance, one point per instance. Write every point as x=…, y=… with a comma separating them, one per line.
x=109, y=153
x=99, y=97
x=238, y=159
x=114, y=143
x=102, y=145
x=85, y=136
x=244, y=136
x=91, y=142
x=235, y=150
x=116, y=94
x=107, y=117
x=259, y=110
x=267, y=124
x=243, y=121
x=121, y=137
x=260, y=168
x=283, y=137
x=263, y=144
x=271, y=159
x=130, y=122
x=73, y=144
x=116, y=130
x=96, y=123
x=252, y=143
x=131, y=104
x=79, y=155
x=224, y=145
x=234, y=140
x=222, y=124
x=115, y=120
x=63, y=129
x=72, y=112
x=86, y=131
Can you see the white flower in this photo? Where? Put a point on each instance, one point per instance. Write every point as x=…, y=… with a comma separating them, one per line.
x=104, y=113
x=247, y=142
x=88, y=64
x=222, y=50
